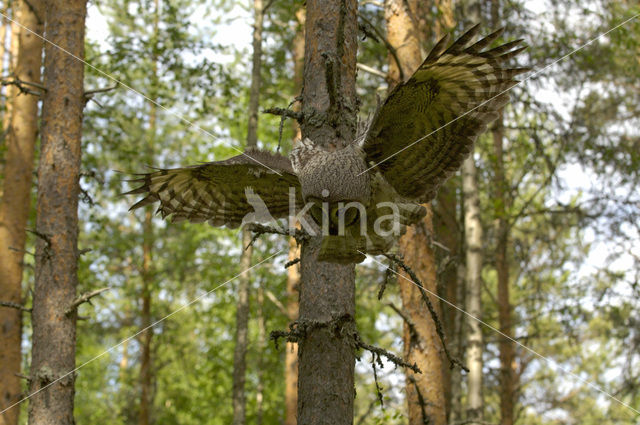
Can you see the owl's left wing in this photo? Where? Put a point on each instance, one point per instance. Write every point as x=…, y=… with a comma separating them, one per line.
x=427, y=125
x=223, y=192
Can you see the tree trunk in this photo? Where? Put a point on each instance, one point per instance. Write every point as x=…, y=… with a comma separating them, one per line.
x=14, y=47
x=14, y=209
x=425, y=391
x=293, y=273
x=262, y=335
x=54, y=332
x=4, y=24
x=327, y=291
x=291, y=354
x=144, y=415
x=242, y=311
x=448, y=233
x=507, y=354
x=474, y=240
x=147, y=273
x=508, y=376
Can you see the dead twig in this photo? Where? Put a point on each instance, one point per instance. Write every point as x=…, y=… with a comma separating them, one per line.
x=84, y=298
x=452, y=360
x=89, y=93
x=20, y=84
x=382, y=352
x=379, y=389
x=17, y=306
x=259, y=229
x=291, y=263
x=288, y=113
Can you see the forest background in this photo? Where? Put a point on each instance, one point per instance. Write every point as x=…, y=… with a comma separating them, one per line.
x=559, y=207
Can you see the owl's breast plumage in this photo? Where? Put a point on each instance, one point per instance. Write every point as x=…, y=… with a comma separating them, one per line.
x=336, y=176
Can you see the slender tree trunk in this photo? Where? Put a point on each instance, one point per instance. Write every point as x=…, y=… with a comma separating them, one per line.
x=14, y=46
x=327, y=290
x=4, y=24
x=144, y=415
x=293, y=273
x=474, y=240
x=147, y=273
x=448, y=231
x=262, y=332
x=508, y=375
x=242, y=311
x=15, y=206
x=425, y=391
x=54, y=331
x=291, y=355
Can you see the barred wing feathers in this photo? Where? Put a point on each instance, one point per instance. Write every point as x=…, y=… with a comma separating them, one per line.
x=427, y=126
x=216, y=192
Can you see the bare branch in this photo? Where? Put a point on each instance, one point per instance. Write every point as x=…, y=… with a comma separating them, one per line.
x=84, y=298
x=277, y=302
x=371, y=70
x=452, y=360
x=17, y=306
x=20, y=84
x=284, y=112
x=89, y=93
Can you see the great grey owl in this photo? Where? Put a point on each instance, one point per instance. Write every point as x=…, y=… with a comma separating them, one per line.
x=418, y=137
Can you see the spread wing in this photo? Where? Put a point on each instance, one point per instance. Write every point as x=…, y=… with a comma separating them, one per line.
x=222, y=192
x=427, y=125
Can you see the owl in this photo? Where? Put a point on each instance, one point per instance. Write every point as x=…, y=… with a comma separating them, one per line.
x=363, y=194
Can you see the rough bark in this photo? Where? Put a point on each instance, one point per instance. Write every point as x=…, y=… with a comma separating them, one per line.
x=14, y=210
x=327, y=290
x=474, y=254
x=291, y=355
x=293, y=273
x=508, y=374
x=242, y=306
x=54, y=332
x=425, y=391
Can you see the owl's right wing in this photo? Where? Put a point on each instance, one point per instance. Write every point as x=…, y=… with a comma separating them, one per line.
x=427, y=126
x=223, y=192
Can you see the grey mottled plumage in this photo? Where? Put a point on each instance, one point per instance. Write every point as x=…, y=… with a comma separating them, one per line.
x=418, y=138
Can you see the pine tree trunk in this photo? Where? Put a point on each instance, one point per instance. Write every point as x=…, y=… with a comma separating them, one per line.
x=474, y=240
x=15, y=206
x=327, y=290
x=262, y=334
x=507, y=354
x=448, y=231
x=146, y=337
x=14, y=46
x=54, y=331
x=293, y=273
x=425, y=391
x=291, y=355
x=144, y=415
x=508, y=376
x=242, y=306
